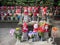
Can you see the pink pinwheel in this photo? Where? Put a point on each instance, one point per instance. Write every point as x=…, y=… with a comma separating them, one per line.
x=12, y=32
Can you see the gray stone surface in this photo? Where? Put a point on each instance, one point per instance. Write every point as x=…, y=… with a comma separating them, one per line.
x=5, y=37
x=33, y=43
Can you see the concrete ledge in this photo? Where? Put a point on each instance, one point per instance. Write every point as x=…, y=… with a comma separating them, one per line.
x=8, y=24
x=5, y=21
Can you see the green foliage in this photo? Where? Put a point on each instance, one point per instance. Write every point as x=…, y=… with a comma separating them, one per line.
x=59, y=3
x=19, y=2
x=28, y=2
x=24, y=0
x=41, y=34
x=18, y=35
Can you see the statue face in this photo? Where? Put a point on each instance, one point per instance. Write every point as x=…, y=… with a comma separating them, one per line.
x=46, y=27
x=35, y=25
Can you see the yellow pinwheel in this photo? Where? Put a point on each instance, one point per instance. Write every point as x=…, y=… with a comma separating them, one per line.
x=17, y=28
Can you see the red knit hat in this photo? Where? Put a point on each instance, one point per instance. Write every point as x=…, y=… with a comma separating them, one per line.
x=46, y=25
